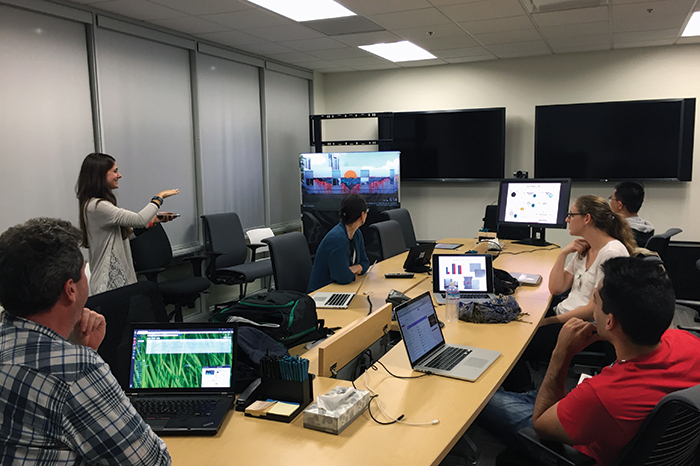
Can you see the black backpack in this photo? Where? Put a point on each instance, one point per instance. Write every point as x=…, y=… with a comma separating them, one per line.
x=291, y=313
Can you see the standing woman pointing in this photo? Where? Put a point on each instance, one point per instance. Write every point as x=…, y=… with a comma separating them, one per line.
x=107, y=228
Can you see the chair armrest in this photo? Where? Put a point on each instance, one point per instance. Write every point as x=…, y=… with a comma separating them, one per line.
x=151, y=274
x=211, y=265
x=196, y=262
x=254, y=247
x=552, y=452
x=426, y=241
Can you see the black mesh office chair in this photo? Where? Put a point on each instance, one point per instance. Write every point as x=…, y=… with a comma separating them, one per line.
x=669, y=436
x=152, y=253
x=403, y=216
x=659, y=243
x=641, y=237
x=140, y=302
x=291, y=261
x=225, y=244
x=391, y=239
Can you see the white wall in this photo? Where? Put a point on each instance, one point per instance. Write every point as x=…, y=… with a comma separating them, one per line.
x=456, y=210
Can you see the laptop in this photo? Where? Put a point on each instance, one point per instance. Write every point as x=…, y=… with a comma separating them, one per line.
x=339, y=300
x=418, y=259
x=426, y=347
x=473, y=274
x=182, y=375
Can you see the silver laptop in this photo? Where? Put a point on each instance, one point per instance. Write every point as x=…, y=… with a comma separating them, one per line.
x=426, y=347
x=473, y=274
x=182, y=376
x=333, y=300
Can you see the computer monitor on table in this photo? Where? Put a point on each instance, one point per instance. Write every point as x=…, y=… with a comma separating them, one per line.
x=534, y=203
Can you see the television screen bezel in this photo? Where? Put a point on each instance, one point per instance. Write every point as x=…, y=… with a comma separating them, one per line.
x=686, y=136
x=502, y=159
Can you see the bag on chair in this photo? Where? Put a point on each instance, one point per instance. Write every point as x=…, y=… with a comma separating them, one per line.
x=287, y=316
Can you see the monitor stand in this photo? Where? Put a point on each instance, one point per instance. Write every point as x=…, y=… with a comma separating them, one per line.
x=536, y=238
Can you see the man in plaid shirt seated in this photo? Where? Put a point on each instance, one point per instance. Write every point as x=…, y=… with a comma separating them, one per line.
x=59, y=402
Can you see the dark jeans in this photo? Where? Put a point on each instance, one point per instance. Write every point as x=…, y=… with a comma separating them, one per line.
x=506, y=413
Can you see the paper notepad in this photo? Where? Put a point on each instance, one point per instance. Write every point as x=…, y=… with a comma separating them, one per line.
x=283, y=409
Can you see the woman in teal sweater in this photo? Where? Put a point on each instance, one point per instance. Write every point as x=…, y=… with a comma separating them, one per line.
x=341, y=256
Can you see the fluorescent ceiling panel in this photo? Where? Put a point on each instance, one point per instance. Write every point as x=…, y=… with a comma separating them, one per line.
x=399, y=51
x=305, y=10
x=693, y=27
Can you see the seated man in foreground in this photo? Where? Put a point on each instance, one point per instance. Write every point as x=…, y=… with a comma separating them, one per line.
x=59, y=402
x=633, y=308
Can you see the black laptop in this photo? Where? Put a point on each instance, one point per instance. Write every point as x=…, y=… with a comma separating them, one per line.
x=182, y=375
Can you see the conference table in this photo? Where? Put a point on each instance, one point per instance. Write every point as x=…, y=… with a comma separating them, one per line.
x=454, y=403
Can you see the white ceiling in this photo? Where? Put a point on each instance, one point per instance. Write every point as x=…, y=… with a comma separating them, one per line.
x=455, y=31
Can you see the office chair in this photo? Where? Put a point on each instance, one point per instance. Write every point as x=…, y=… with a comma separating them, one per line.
x=291, y=261
x=256, y=236
x=391, y=239
x=152, y=253
x=659, y=243
x=139, y=302
x=225, y=244
x=642, y=237
x=404, y=218
x=669, y=436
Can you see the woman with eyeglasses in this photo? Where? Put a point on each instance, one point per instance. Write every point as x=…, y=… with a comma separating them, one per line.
x=341, y=256
x=601, y=235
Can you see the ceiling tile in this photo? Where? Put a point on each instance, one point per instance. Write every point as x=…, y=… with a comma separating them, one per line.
x=141, y=10
x=368, y=60
x=649, y=43
x=248, y=19
x=520, y=49
x=292, y=57
x=373, y=7
x=470, y=59
x=309, y=45
x=264, y=48
x=285, y=32
x=203, y=7
x=583, y=15
x=430, y=32
x=580, y=41
x=190, y=25
x=642, y=36
x=573, y=30
x=582, y=48
x=233, y=38
x=367, y=38
x=447, y=42
x=489, y=9
x=454, y=2
x=345, y=25
x=647, y=24
x=472, y=52
x=508, y=37
x=383, y=66
x=420, y=63
x=337, y=54
x=408, y=19
x=517, y=23
x=660, y=8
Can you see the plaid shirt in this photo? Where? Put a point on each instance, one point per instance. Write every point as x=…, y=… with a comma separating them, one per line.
x=60, y=404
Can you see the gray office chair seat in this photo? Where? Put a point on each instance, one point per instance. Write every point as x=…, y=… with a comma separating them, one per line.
x=391, y=239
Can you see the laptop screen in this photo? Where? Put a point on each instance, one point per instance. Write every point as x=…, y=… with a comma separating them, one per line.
x=182, y=357
x=419, y=326
x=472, y=273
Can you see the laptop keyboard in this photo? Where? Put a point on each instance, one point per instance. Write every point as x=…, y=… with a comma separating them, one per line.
x=337, y=299
x=183, y=406
x=473, y=296
x=448, y=359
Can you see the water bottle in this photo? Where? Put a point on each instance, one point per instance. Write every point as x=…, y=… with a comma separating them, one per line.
x=451, y=303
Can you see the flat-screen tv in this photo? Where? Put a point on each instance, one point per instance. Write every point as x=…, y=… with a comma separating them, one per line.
x=534, y=203
x=637, y=140
x=452, y=145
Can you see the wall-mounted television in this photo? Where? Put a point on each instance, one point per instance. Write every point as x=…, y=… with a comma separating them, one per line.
x=638, y=140
x=534, y=203
x=452, y=145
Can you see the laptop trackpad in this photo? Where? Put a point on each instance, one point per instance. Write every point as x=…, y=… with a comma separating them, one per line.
x=476, y=362
x=157, y=424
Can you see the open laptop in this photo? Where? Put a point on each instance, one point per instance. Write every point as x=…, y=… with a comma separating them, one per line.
x=426, y=347
x=418, y=259
x=473, y=274
x=338, y=299
x=182, y=375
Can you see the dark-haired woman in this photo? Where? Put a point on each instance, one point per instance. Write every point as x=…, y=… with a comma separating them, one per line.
x=107, y=228
x=341, y=256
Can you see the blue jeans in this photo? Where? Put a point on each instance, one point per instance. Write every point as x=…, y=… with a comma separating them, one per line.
x=506, y=413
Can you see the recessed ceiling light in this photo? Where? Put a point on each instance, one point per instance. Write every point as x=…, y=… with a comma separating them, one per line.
x=399, y=51
x=693, y=27
x=305, y=10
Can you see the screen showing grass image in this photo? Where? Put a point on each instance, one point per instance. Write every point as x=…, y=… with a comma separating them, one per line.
x=182, y=359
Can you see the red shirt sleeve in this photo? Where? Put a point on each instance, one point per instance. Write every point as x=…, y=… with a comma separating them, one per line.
x=583, y=416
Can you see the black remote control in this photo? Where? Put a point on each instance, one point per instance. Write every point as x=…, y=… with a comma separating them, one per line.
x=398, y=275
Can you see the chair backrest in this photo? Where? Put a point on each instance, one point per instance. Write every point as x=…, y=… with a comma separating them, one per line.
x=257, y=236
x=223, y=233
x=659, y=243
x=391, y=238
x=291, y=261
x=404, y=218
x=641, y=237
x=139, y=302
x=670, y=435
x=151, y=249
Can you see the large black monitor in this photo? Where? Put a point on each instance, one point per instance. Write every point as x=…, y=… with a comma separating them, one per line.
x=637, y=140
x=448, y=146
x=534, y=203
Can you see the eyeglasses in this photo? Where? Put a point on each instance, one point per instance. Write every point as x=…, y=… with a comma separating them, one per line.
x=367, y=210
x=610, y=198
x=573, y=214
